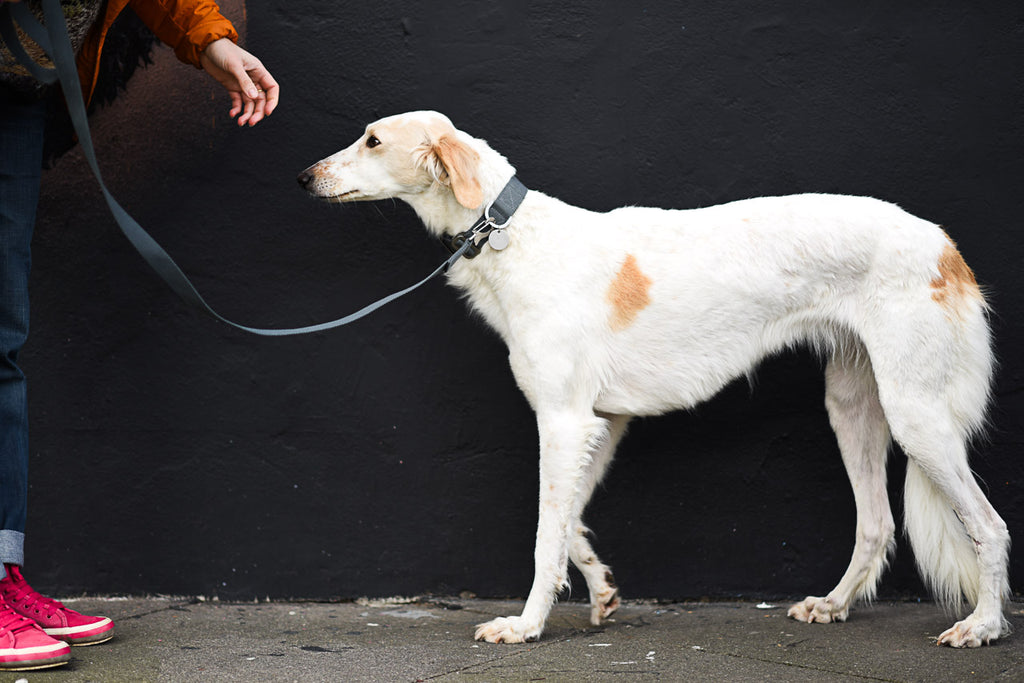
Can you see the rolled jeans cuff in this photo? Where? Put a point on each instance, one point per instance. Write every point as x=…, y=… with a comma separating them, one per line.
x=12, y=549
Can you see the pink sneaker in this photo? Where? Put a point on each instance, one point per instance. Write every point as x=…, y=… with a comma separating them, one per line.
x=56, y=620
x=24, y=646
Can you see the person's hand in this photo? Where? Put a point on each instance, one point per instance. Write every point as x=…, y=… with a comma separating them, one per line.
x=254, y=92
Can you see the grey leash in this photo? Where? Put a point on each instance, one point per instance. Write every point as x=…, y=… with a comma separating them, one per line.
x=54, y=40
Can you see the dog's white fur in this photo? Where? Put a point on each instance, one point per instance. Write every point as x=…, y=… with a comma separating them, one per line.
x=641, y=311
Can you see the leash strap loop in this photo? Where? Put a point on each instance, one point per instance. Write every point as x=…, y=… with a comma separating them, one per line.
x=20, y=13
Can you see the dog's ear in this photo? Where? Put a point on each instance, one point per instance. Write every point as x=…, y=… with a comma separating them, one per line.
x=460, y=163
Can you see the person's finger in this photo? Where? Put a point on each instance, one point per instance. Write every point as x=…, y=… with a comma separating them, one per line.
x=270, y=89
x=236, y=104
x=245, y=83
x=259, y=109
x=250, y=106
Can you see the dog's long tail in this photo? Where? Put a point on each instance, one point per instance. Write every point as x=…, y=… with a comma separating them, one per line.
x=945, y=554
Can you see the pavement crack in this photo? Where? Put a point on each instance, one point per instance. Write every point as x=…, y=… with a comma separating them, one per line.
x=317, y=648
x=176, y=606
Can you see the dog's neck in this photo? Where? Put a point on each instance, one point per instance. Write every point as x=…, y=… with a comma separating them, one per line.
x=442, y=214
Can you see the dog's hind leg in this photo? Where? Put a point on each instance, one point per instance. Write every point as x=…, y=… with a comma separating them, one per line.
x=604, y=594
x=567, y=440
x=960, y=543
x=855, y=412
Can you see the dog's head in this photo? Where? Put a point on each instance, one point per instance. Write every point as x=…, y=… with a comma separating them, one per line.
x=400, y=156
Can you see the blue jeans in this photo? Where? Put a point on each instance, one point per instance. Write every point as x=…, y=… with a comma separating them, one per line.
x=21, y=154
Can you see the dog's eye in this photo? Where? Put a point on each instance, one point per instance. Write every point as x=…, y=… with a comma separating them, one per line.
x=372, y=141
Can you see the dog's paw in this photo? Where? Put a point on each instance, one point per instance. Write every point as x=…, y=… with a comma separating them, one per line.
x=820, y=610
x=604, y=604
x=971, y=632
x=508, y=630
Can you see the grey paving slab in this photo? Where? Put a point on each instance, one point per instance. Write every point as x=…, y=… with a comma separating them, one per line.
x=167, y=639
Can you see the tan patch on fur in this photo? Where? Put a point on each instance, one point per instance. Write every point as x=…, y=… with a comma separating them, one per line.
x=628, y=294
x=955, y=281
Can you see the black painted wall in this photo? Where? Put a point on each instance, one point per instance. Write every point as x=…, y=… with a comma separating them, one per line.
x=172, y=454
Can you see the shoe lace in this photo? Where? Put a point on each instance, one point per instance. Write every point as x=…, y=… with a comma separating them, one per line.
x=11, y=620
x=28, y=598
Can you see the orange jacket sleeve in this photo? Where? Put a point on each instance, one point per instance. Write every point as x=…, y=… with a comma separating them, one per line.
x=187, y=26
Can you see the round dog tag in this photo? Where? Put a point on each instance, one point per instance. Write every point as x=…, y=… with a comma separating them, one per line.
x=498, y=240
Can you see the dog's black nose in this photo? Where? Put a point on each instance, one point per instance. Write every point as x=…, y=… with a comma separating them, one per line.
x=305, y=178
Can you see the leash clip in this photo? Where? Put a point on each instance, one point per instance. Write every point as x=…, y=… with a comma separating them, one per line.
x=482, y=228
x=454, y=243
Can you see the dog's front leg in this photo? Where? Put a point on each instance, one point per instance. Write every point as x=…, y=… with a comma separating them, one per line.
x=565, y=444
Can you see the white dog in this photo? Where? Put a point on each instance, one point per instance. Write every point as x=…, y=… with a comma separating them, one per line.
x=641, y=311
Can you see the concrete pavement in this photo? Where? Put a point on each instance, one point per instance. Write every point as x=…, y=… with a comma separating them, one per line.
x=178, y=639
